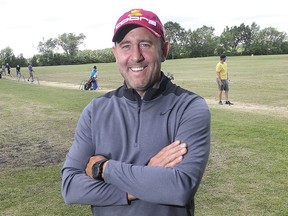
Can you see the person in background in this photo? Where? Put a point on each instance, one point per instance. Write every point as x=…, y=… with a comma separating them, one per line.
x=8, y=69
x=30, y=69
x=141, y=149
x=18, y=72
x=222, y=80
x=3, y=69
x=93, y=77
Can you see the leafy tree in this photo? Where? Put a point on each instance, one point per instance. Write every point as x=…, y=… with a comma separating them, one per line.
x=7, y=56
x=284, y=46
x=271, y=40
x=70, y=42
x=201, y=42
x=48, y=46
x=225, y=42
x=234, y=38
x=250, y=46
x=20, y=60
x=242, y=36
x=106, y=55
x=175, y=34
x=35, y=60
x=267, y=41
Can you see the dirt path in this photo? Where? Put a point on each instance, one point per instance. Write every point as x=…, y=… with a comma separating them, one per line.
x=69, y=85
x=56, y=84
x=59, y=85
x=256, y=108
x=279, y=111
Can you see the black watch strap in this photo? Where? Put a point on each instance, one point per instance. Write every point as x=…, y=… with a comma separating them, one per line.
x=97, y=169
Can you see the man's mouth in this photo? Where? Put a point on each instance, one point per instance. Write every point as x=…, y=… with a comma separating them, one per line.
x=136, y=69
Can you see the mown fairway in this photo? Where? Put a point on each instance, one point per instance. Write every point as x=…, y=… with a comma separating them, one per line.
x=247, y=170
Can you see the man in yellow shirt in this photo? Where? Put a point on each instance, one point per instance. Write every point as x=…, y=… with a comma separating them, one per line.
x=222, y=79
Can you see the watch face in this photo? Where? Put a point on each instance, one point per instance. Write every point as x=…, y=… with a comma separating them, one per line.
x=96, y=171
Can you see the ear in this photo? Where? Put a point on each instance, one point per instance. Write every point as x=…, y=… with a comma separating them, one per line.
x=114, y=50
x=165, y=50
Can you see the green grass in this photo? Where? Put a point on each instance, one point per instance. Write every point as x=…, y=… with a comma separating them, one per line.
x=247, y=169
x=35, y=191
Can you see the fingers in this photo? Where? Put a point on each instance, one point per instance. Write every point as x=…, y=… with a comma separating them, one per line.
x=131, y=197
x=169, y=156
x=174, y=162
x=176, y=157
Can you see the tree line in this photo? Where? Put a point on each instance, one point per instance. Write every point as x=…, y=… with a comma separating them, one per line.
x=201, y=42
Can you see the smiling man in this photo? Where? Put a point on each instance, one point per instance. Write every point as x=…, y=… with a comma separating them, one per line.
x=137, y=51
x=149, y=153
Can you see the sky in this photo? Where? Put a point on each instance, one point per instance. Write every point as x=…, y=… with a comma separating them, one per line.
x=24, y=23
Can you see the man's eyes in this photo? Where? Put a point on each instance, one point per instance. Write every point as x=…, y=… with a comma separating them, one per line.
x=141, y=46
x=145, y=45
x=126, y=46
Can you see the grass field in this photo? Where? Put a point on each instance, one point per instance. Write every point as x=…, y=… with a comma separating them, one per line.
x=247, y=169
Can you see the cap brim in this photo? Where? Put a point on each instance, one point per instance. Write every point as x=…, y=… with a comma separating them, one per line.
x=122, y=31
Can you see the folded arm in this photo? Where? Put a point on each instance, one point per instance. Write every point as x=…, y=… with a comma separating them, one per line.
x=172, y=185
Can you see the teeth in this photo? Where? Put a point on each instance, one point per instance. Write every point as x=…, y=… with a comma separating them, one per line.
x=137, y=69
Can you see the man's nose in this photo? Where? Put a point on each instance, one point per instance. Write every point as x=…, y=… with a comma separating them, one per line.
x=136, y=54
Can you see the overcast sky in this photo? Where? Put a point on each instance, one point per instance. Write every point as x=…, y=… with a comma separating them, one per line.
x=24, y=23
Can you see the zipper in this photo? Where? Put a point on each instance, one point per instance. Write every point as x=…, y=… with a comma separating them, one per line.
x=139, y=100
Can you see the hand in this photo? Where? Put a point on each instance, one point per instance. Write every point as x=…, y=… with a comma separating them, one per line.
x=170, y=155
x=91, y=162
x=130, y=197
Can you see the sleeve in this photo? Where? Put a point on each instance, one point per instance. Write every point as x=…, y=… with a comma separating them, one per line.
x=218, y=68
x=171, y=186
x=77, y=187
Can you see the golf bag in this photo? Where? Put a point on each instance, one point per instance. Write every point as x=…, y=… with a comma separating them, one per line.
x=88, y=84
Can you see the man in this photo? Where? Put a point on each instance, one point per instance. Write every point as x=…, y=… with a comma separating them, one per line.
x=3, y=69
x=143, y=148
x=93, y=77
x=8, y=69
x=18, y=72
x=30, y=69
x=222, y=79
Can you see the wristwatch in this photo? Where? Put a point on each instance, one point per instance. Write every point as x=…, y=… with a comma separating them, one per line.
x=97, y=169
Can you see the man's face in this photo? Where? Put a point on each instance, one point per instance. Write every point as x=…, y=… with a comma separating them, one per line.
x=139, y=56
